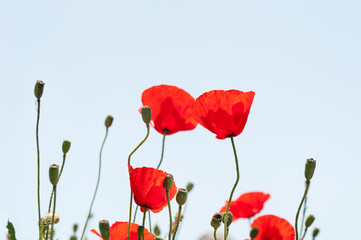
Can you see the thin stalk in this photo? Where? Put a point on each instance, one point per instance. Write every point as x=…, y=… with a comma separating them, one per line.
x=299, y=208
x=304, y=234
x=131, y=193
x=96, y=188
x=61, y=171
x=38, y=154
x=170, y=216
x=178, y=221
x=150, y=223
x=52, y=220
x=234, y=187
x=303, y=215
x=215, y=234
x=145, y=213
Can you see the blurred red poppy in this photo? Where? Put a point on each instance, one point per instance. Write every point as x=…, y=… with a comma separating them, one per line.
x=171, y=108
x=271, y=227
x=222, y=112
x=247, y=205
x=119, y=231
x=147, y=187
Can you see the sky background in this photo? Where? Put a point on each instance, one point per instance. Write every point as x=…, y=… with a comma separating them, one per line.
x=301, y=58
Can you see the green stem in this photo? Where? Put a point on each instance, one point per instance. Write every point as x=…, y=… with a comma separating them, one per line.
x=303, y=215
x=145, y=213
x=215, y=234
x=131, y=193
x=96, y=188
x=38, y=153
x=161, y=156
x=178, y=221
x=170, y=216
x=304, y=234
x=234, y=187
x=135, y=213
x=299, y=208
x=150, y=223
x=61, y=171
x=52, y=220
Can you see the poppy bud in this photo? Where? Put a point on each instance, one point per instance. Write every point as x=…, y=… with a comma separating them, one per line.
x=66, y=146
x=168, y=181
x=253, y=233
x=156, y=230
x=315, y=232
x=189, y=186
x=108, y=121
x=229, y=218
x=53, y=174
x=49, y=218
x=309, y=168
x=75, y=227
x=146, y=114
x=73, y=237
x=140, y=232
x=181, y=196
x=309, y=220
x=104, y=229
x=38, y=89
x=216, y=220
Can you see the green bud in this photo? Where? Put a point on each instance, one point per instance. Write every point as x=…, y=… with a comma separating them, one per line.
x=53, y=174
x=38, y=89
x=146, y=114
x=66, y=146
x=109, y=121
x=253, y=233
x=140, y=232
x=73, y=237
x=216, y=220
x=229, y=218
x=75, y=227
x=309, y=220
x=104, y=229
x=309, y=168
x=156, y=230
x=168, y=181
x=181, y=196
x=315, y=232
x=189, y=186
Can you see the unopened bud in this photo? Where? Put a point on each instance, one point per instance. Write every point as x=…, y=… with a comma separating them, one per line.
x=38, y=89
x=168, y=181
x=156, y=230
x=309, y=220
x=315, y=232
x=253, y=233
x=189, y=186
x=216, y=220
x=49, y=218
x=140, y=232
x=53, y=174
x=309, y=168
x=75, y=227
x=181, y=196
x=109, y=121
x=104, y=229
x=229, y=218
x=73, y=237
x=66, y=146
x=146, y=114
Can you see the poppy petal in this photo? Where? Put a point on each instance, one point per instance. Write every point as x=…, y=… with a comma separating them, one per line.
x=119, y=231
x=271, y=227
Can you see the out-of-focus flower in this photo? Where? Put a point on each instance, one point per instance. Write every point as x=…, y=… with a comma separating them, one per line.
x=171, y=108
x=247, y=205
x=119, y=231
x=271, y=227
x=147, y=187
x=222, y=112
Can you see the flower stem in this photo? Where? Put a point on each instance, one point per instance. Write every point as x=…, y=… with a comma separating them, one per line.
x=170, y=216
x=178, y=221
x=303, y=215
x=234, y=187
x=304, y=234
x=131, y=193
x=299, y=208
x=61, y=171
x=52, y=220
x=96, y=188
x=161, y=156
x=215, y=234
x=150, y=223
x=38, y=155
x=145, y=213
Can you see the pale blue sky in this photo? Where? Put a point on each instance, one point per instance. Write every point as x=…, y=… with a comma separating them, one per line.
x=302, y=58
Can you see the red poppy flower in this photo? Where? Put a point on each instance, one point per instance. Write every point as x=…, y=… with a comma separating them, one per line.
x=271, y=227
x=119, y=231
x=247, y=205
x=171, y=108
x=222, y=112
x=147, y=187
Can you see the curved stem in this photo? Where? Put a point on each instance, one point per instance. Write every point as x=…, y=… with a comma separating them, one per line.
x=170, y=216
x=61, y=171
x=178, y=221
x=96, y=188
x=53, y=217
x=303, y=215
x=304, y=234
x=299, y=208
x=38, y=162
x=234, y=187
x=161, y=156
x=131, y=193
x=215, y=234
